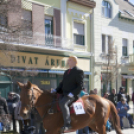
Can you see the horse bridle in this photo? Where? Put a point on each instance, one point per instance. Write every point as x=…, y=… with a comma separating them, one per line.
x=31, y=105
x=32, y=101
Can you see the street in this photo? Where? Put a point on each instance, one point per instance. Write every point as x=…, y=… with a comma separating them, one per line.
x=125, y=131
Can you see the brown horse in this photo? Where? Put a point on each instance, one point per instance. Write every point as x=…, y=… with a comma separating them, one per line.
x=97, y=111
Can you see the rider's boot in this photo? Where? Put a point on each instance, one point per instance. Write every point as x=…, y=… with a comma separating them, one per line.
x=66, y=127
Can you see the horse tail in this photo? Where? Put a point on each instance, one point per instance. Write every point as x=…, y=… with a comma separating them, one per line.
x=115, y=118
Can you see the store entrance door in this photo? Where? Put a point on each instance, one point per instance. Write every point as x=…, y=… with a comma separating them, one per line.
x=133, y=85
x=4, y=89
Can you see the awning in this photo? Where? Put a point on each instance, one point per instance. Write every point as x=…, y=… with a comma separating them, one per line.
x=41, y=71
x=128, y=76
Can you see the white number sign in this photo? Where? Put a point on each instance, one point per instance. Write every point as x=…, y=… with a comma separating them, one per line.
x=78, y=108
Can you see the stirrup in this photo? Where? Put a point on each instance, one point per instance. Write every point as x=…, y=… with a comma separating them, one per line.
x=50, y=111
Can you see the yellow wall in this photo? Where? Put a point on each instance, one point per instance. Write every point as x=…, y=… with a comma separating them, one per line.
x=71, y=17
x=53, y=3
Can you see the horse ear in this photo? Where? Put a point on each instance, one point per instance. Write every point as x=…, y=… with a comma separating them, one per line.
x=20, y=84
x=29, y=85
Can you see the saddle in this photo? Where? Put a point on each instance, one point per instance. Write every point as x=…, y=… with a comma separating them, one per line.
x=57, y=109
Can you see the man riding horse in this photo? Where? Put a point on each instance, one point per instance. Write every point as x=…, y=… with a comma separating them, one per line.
x=70, y=88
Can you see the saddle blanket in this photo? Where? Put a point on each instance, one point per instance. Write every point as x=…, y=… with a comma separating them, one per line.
x=76, y=107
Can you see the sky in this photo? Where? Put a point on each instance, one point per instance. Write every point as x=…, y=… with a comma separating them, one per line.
x=132, y=1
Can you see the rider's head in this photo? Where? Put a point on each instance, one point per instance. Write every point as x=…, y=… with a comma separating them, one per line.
x=72, y=61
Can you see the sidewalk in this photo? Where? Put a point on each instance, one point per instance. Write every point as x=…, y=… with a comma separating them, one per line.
x=125, y=131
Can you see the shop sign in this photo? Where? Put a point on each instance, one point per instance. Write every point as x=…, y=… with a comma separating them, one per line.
x=45, y=82
x=39, y=61
x=130, y=69
x=105, y=68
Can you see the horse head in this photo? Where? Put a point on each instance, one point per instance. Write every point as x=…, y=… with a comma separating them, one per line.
x=28, y=96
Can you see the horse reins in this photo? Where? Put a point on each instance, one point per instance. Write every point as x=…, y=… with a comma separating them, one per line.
x=32, y=103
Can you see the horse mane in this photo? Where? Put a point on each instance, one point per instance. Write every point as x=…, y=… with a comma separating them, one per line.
x=43, y=91
x=37, y=88
x=49, y=93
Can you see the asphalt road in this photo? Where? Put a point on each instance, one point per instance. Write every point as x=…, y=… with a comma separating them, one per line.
x=125, y=131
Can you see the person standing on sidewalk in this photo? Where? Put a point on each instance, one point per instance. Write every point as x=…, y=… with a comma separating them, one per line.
x=12, y=101
x=113, y=97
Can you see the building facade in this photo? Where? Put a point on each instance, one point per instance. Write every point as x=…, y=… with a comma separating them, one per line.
x=113, y=26
x=37, y=38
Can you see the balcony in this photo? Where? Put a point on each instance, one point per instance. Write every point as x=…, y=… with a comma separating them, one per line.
x=128, y=59
x=88, y=3
x=38, y=40
x=131, y=59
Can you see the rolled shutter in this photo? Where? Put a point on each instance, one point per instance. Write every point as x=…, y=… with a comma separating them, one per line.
x=57, y=22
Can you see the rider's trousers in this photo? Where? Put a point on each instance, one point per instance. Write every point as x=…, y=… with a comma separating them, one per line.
x=64, y=102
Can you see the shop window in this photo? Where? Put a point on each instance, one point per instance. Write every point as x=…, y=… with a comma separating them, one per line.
x=106, y=82
x=106, y=9
x=78, y=33
x=124, y=83
x=124, y=47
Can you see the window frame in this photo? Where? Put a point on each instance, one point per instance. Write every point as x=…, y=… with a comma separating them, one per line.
x=124, y=46
x=50, y=19
x=106, y=43
x=28, y=28
x=133, y=46
x=5, y=18
x=81, y=21
x=111, y=11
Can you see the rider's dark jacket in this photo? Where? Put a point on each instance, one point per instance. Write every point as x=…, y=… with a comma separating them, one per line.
x=3, y=106
x=72, y=82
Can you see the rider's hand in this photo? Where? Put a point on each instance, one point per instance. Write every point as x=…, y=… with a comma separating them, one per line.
x=126, y=108
x=70, y=95
x=53, y=91
x=118, y=109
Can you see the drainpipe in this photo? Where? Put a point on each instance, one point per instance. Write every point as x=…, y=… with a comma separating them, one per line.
x=63, y=18
x=92, y=65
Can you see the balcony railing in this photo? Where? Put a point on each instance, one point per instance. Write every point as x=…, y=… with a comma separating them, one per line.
x=40, y=40
x=128, y=59
x=131, y=59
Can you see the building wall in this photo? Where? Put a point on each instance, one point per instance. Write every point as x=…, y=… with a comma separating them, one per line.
x=52, y=3
x=115, y=27
x=80, y=14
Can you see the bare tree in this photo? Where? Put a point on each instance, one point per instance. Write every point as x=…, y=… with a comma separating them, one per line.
x=110, y=64
x=14, y=30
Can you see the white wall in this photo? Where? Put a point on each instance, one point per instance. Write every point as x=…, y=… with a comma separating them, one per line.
x=115, y=27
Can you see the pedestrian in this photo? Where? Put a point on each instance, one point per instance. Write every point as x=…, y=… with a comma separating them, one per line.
x=36, y=121
x=106, y=95
x=121, y=93
x=3, y=112
x=12, y=101
x=128, y=98
x=22, y=121
x=3, y=106
x=113, y=97
x=133, y=98
x=85, y=129
x=95, y=91
x=122, y=108
x=91, y=92
x=70, y=88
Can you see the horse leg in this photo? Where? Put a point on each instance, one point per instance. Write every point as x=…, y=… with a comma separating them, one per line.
x=52, y=132
x=102, y=129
